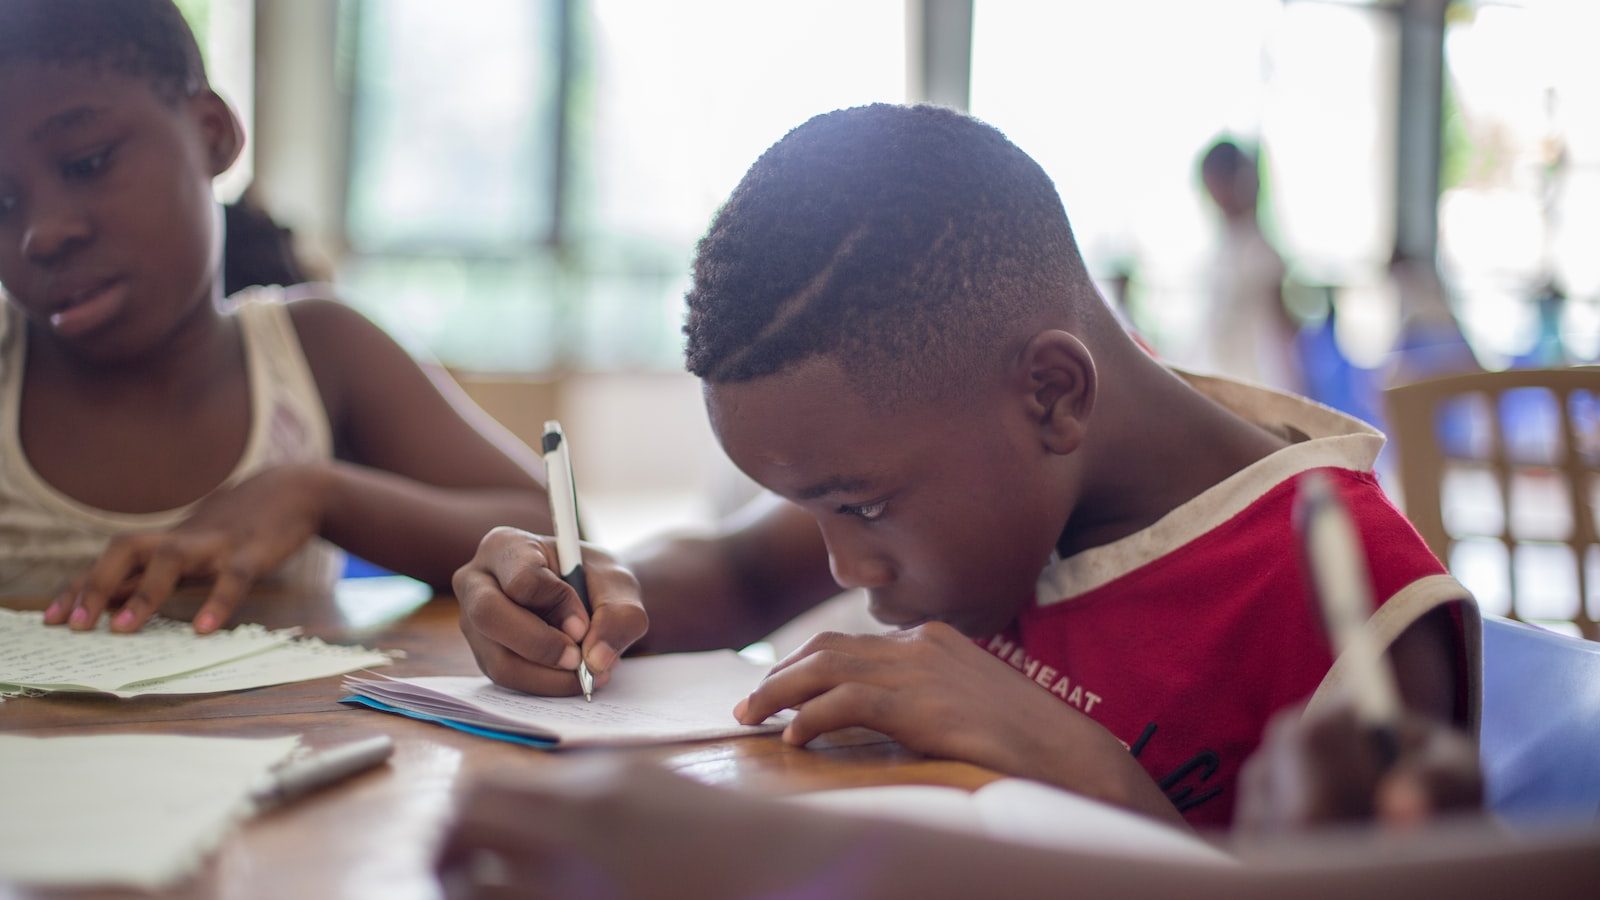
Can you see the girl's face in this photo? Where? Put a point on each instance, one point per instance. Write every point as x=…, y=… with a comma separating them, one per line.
x=109, y=236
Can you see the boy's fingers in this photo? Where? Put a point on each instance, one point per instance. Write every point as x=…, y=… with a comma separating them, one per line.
x=1443, y=768
x=805, y=679
x=541, y=590
x=494, y=616
x=844, y=706
x=864, y=646
x=507, y=669
x=616, y=626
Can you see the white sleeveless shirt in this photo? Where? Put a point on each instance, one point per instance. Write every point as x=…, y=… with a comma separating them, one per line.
x=48, y=538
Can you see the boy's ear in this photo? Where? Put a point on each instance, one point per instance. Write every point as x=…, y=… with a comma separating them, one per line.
x=220, y=130
x=1057, y=373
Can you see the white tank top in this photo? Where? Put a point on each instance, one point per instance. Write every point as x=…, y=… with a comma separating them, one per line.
x=48, y=538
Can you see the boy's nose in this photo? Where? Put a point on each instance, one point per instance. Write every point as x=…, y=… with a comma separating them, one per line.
x=856, y=568
x=53, y=231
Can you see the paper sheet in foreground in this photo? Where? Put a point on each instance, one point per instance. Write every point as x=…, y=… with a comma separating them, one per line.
x=134, y=810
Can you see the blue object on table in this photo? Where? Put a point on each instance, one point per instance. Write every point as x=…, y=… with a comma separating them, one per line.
x=356, y=567
x=1541, y=724
x=524, y=740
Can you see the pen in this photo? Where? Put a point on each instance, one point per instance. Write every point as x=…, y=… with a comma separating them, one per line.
x=1342, y=583
x=301, y=777
x=564, y=511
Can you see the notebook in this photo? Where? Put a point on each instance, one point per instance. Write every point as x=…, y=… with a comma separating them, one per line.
x=649, y=700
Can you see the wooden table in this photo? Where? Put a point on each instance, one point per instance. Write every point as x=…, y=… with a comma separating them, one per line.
x=374, y=835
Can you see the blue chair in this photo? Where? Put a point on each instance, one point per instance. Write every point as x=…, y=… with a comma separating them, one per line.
x=1540, y=742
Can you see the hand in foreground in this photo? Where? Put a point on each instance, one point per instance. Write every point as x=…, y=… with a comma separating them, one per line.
x=1329, y=769
x=607, y=828
x=235, y=536
x=527, y=628
x=939, y=693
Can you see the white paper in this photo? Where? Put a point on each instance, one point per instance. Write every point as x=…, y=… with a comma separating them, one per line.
x=1027, y=812
x=133, y=810
x=649, y=700
x=298, y=660
x=41, y=657
x=165, y=657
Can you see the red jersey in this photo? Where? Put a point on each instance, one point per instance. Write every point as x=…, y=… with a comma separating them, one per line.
x=1183, y=639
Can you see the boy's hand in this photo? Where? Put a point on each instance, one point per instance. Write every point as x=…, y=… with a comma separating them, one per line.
x=1330, y=770
x=604, y=827
x=234, y=537
x=939, y=693
x=525, y=625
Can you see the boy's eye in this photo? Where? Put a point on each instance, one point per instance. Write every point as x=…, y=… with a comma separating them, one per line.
x=8, y=202
x=89, y=164
x=870, y=512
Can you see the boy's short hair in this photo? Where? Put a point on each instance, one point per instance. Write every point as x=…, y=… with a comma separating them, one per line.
x=906, y=242
x=140, y=38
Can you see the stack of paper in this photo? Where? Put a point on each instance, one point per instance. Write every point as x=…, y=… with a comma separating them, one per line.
x=165, y=657
x=649, y=700
x=136, y=810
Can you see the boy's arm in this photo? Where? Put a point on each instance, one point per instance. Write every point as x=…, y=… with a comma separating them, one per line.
x=1427, y=669
x=762, y=566
x=639, y=827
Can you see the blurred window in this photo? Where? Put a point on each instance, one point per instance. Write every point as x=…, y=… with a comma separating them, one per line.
x=1520, y=209
x=1118, y=102
x=225, y=31
x=508, y=211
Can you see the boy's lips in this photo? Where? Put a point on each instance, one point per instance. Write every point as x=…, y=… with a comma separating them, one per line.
x=85, y=310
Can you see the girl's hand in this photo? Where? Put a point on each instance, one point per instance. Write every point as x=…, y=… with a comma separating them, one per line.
x=235, y=536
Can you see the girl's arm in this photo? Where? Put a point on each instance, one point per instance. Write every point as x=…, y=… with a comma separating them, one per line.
x=421, y=474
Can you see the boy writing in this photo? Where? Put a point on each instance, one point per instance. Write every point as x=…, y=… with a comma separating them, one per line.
x=1091, y=556
x=150, y=435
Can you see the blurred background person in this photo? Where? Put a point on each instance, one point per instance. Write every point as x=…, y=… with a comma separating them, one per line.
x=1249, y=334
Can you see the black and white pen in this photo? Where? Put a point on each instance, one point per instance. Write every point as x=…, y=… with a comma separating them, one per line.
x=564, y=514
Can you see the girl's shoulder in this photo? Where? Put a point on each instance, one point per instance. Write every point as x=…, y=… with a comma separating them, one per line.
x=350, y=357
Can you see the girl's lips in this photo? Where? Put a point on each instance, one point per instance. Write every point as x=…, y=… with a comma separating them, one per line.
x=91, y=310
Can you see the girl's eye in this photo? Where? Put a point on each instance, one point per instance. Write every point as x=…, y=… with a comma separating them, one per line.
x=867, y=511
x=87, y=165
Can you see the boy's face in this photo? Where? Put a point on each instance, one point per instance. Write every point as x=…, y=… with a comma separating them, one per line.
x=108, y=235
x=940, y=509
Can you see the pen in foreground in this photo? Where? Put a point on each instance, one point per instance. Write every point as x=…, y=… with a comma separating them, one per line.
x=564, y=513
x=301, y=777
x=1341, y=581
